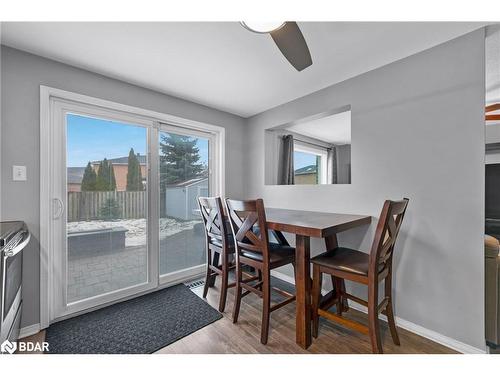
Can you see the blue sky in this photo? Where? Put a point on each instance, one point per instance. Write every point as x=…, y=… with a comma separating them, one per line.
x=90, y=139
x=302, y=159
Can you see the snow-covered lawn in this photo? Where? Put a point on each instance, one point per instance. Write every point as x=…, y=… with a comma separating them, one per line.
x=136, y=228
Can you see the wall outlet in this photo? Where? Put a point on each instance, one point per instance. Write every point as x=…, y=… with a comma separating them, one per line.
x=19, y=172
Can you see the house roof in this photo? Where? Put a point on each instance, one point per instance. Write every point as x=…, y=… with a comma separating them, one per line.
x=124, y=160
x=309, y=169
x=75, y=175
x=187, y=183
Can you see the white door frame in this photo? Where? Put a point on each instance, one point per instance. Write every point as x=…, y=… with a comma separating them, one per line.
x=52, y=97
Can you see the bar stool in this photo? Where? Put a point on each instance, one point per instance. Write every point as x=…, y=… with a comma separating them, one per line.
x=368, y=269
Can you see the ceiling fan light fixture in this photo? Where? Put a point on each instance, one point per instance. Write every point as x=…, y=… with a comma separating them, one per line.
x=262, y=27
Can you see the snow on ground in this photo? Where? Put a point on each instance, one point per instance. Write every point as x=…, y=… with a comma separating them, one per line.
x=136, y=228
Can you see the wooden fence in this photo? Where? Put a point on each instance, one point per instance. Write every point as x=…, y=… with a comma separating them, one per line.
x=86, y=205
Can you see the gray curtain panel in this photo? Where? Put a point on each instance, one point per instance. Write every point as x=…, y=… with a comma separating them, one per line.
x=332, y=166
x=286, y=174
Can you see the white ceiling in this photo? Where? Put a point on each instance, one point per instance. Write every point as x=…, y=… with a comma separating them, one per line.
x=221, y=64
x=331, y=129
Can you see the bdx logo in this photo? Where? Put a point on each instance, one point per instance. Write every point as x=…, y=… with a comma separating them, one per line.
x=11, y=347
x=8, y=347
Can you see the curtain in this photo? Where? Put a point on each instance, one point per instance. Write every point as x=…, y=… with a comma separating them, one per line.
x=286, y=175
x=332, y=166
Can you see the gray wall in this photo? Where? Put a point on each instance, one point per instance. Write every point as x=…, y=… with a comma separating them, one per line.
x=22, y=75
x=417, y=132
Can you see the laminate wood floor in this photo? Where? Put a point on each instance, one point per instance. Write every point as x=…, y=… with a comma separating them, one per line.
x=244, y=337
x=224, y=337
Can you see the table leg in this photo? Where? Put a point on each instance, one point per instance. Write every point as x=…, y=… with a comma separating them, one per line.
x=303, y=291
x=332, y=243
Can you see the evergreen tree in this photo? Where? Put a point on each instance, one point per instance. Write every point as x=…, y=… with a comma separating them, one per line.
x=179, y=159
x=134, y=176
x=102, y=183
x=105, y=177
x=110, y=210
x=89, y=179
x=112, y=181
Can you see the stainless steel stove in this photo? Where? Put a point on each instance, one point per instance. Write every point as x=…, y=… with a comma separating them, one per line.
x=14, y=236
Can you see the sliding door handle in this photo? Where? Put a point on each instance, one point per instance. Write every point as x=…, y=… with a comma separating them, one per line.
x=58, y=208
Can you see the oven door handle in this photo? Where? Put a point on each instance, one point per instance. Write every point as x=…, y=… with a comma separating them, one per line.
x=19, y=247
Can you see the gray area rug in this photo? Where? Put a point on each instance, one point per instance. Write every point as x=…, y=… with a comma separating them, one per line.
x=142, y=325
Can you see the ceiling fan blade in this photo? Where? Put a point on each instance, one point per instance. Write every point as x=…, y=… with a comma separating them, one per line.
x=292, y=45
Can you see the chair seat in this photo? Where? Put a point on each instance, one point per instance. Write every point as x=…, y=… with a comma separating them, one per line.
x=344, y=259
x=278, y=254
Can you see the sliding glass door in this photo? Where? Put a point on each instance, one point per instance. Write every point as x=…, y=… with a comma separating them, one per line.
x=184, y=176
x=124, y=216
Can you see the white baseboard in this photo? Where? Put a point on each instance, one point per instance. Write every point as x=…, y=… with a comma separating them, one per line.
x=407, y=325
x=425, y=332
x=29, y=330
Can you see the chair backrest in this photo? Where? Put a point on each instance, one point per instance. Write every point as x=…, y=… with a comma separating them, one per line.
x=212, y=213
x=249, y=226
x=386, y=234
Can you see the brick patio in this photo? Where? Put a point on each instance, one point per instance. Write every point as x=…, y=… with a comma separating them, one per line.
x=96, y=272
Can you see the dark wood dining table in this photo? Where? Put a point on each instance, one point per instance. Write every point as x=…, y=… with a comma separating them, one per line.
x=307, y=224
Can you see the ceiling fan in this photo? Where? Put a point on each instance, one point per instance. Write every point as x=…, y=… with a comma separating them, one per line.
x=288, y=38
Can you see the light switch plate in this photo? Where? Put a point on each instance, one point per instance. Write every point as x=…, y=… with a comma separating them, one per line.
x=19, y=172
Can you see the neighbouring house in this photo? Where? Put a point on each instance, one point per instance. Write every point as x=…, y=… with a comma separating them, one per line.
x=181, y=202
x=120, y=167
x=74, y=178
x=307, y=175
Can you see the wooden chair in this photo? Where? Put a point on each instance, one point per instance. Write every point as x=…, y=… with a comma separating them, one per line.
x=369, y=269
x=219, y=246
x=248, y=223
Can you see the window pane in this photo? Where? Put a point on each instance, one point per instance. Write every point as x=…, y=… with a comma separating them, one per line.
x=306, y=168
x=106, y=206
x=183, y=178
